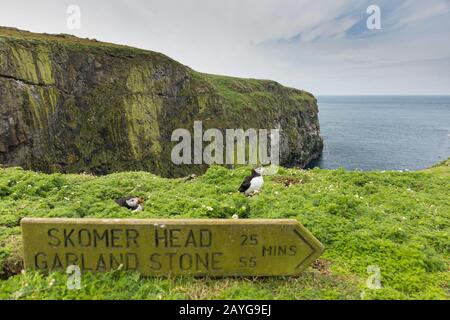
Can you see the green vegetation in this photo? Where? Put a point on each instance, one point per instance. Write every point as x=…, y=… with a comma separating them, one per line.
x=257, y=94
x=78, y=105
x=25, y=38
x=398, y=221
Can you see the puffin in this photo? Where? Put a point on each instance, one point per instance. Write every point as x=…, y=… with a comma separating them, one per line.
x=252, y=183
x=132, y=203
x=191, y=177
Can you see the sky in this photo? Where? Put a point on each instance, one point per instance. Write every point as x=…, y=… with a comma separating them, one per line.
x=322, y=46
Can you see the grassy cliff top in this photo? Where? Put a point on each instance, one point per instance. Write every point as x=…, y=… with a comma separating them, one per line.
x=94, y=46
x=63, y=39
x=398, y=221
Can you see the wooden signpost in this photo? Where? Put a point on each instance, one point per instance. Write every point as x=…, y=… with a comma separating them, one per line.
x=200, y=247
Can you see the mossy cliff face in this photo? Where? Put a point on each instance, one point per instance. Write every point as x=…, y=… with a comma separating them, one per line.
x=72, y=105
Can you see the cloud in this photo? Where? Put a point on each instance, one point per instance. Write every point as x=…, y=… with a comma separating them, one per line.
x=322, y=46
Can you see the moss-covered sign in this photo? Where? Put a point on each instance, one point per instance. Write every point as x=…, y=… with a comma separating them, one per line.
x=163, y=247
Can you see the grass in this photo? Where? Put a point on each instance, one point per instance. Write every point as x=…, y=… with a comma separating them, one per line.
x=254, y=92
x=398, y=221
x=74, y=42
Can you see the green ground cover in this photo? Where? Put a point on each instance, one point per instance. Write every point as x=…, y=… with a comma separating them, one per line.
x=398, y=221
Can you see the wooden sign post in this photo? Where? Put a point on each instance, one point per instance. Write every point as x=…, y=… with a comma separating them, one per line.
x=213, y=247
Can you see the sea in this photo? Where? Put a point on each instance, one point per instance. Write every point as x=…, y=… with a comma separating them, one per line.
x=384, y=132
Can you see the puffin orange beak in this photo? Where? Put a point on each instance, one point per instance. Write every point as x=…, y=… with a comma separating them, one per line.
x=141, y=200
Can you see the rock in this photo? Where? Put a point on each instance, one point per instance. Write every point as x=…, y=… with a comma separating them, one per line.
x=74, y=105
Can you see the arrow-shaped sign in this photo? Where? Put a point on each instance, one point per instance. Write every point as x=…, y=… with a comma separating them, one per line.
x=216, y=247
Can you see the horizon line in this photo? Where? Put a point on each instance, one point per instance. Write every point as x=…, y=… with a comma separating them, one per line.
x=383, y=95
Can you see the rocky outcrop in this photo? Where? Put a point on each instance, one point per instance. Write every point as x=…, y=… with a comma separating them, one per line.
x=74, y=105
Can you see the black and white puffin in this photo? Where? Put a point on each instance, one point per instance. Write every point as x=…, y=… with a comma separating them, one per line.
x=253, y=183
x=132, y=203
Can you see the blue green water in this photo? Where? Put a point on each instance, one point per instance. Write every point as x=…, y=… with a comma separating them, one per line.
x=384, y=132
